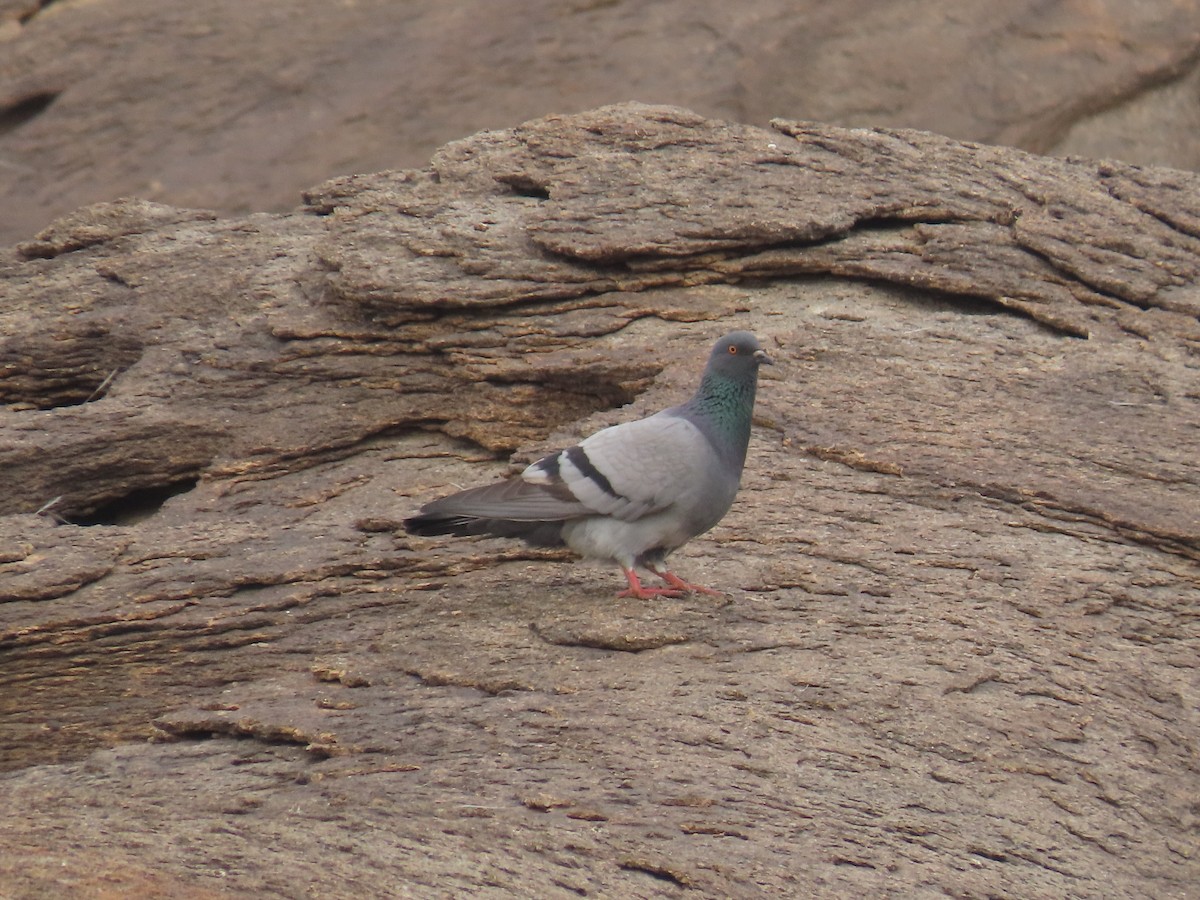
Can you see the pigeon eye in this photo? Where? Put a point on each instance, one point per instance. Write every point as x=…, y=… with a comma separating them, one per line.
x=733, y=350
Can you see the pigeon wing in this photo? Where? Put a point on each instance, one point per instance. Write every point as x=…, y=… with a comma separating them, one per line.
x=630, y=470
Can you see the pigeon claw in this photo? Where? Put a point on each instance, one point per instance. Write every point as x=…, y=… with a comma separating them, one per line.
x=649, y=593
x=676, y=587
x=638, y=592
x=686, y=587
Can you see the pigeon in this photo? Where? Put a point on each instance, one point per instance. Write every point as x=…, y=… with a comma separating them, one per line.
x=632, y=493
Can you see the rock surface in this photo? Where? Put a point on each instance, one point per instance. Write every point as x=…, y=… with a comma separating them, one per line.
x=239, y=106
x=959, y=650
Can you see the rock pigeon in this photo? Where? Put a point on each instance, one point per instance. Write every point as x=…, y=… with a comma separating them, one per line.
x=631, y=493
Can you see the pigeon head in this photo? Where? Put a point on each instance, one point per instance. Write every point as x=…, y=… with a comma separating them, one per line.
x=737, y=355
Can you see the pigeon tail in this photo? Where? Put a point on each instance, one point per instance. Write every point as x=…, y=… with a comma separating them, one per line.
x=537, y=534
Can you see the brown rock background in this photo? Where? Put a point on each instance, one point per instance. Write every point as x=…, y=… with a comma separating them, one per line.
x=240, y=106
x=959, y=651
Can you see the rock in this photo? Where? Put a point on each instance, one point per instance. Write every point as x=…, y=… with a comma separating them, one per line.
x=238, y=107
x=959, y=647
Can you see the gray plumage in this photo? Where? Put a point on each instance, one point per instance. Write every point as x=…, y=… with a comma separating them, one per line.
x=634, y=492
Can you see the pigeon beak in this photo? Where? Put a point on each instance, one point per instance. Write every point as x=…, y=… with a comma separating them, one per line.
x=762, y=358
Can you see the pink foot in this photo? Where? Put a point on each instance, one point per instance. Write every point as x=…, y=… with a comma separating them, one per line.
x=636, y=591
x=678, y=585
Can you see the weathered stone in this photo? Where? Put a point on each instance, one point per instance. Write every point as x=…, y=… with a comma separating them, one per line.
x=239, y=106
x=959, y=651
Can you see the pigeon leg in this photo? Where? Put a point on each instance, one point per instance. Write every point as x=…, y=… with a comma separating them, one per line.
x=638, y=592
x=681, y=586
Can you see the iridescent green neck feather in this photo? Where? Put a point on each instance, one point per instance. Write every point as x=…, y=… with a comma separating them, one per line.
x=722, y=408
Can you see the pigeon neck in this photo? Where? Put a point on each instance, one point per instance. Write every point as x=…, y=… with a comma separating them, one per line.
x=722, y=409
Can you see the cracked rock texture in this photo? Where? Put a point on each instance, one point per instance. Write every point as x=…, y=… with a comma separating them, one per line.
x=958, y=653
x=239, y=106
